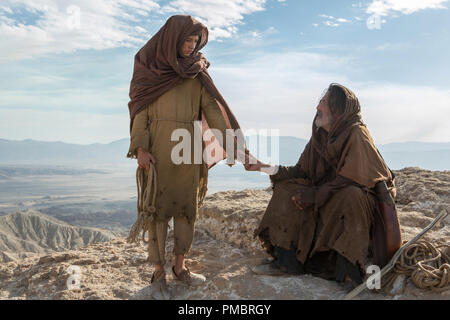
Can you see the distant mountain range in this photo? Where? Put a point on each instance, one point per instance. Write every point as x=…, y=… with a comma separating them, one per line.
x=431, y=156
x=40, y=152
x=11, y=171
x=30, y=232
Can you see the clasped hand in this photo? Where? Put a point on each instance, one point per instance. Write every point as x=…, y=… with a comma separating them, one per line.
x=144, y=158
x=251, y=163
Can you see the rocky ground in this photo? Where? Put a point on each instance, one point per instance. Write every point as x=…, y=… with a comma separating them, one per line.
x=224, y=251
x=25, y=234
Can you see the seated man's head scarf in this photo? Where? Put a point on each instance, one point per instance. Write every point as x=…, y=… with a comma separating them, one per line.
x=326, y=151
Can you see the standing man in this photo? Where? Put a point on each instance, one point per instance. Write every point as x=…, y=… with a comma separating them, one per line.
x=334, y=209
x=172, y=90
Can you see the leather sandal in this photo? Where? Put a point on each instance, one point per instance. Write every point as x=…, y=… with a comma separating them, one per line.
x=268, y=269
x=158, y=287
x=189, y=278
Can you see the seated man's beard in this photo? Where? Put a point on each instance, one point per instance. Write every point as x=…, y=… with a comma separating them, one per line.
x=323, y=120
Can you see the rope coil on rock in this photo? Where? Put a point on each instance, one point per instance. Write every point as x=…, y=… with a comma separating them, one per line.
x=423, y=275
x=145, y=203
x=427, y=265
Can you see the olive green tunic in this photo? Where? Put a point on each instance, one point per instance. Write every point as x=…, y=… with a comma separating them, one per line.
x=178, y=184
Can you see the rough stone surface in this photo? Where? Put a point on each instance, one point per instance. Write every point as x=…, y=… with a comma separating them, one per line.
x=224, y=251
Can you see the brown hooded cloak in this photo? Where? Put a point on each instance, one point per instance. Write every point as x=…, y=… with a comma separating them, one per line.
x=335, y=176
x=171, y=92
x=158, y=68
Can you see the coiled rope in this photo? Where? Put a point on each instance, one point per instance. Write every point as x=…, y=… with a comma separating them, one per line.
x=427, y=265
x=146, y=197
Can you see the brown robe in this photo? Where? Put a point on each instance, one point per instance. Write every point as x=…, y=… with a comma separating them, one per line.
x=178, y=185
x=335, y=176
x=167, y=85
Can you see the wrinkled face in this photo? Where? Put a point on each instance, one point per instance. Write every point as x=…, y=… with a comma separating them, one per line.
x=189, y=45
x=324, y=117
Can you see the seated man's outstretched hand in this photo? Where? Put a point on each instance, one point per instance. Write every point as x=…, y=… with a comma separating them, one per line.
x=255, y=166
x=262, y=167
x=251, y=163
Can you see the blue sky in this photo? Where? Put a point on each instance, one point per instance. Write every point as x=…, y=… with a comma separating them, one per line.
x=65, y=66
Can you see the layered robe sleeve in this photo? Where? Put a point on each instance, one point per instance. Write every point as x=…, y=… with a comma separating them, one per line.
x=139, y=134
x=288, y=172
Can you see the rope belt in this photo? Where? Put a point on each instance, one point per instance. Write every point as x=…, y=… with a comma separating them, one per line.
x=145, y=203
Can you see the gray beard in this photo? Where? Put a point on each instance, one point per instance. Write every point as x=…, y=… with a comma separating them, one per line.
x=323, y=121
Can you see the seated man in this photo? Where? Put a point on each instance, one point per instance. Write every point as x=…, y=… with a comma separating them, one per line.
x=334, y=209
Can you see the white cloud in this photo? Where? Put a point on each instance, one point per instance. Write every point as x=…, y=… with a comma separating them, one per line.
x=405, y=113
x=331, y=24
x=221, y=16
x=285, y=96
x=65, y=26
x=255, y=38
x=62, y=26
x=332, y=21
x=388, y=7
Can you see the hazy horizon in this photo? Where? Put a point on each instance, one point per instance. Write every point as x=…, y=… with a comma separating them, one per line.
x=127, y=138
